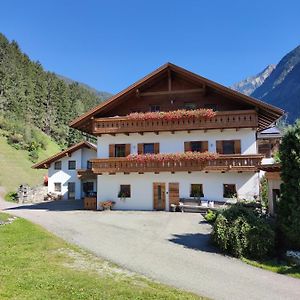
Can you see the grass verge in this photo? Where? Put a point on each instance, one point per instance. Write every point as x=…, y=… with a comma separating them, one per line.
x=34, y=264
x=276, y=266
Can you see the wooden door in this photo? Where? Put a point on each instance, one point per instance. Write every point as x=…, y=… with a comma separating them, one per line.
x=173, y=193
x=159, y=196
x=71, y=190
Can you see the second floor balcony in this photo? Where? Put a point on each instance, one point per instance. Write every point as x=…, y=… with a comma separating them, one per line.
x=221, y=120
x=222, y=163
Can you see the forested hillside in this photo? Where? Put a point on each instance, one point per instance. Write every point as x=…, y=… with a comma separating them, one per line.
x=32, y=98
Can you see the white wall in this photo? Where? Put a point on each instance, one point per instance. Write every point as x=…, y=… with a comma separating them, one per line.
x=142, y=186
x=170, y=143
x=65, y=175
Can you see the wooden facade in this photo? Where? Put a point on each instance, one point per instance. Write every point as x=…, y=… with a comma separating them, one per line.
x=224, y=163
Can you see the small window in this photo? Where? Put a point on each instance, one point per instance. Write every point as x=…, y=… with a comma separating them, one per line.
x=120, y=150
x=212, y=106
x=196, y=146
x=190, y=105
x=57, y=165
x=149, y=148
x=72, y=165
x=89, y=165
x=196, y=191
x=229, y=191
x=228, y=147
x=125, y=191
x=154, y=108
x=57, y=187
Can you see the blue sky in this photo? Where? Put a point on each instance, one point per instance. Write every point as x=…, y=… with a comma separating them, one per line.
x=110, y=44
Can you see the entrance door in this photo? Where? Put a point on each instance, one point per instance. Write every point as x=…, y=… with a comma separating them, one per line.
x=71, y=190
x=159, y=196
x=173, y=193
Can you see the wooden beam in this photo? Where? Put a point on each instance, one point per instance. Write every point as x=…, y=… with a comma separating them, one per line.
x=169, y=81
x=162, y=93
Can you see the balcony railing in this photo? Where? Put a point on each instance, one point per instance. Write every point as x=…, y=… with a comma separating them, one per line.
x=224, y=163
x=222, y=120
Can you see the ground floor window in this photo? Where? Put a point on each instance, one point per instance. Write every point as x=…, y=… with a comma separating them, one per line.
x=125, y=191
x=88, y=187
x=196, y=190
x=71, y=190
x=229, y=190
x=57, y=187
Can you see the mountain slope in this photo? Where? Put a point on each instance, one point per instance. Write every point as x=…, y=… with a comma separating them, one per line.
x=16, y=167
x=282, y=87
x=248, y=85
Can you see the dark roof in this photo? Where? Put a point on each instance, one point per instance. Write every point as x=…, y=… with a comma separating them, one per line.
x=267, y=113
x=276, y=167
x=45, y=163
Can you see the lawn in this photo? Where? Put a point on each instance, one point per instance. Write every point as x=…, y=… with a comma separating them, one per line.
x=276, y=266
x=16, y=167
x=35, y=264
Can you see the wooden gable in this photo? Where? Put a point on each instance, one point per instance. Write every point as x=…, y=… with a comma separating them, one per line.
x=171, y=87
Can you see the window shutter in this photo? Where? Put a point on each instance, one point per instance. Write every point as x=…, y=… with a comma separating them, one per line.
x=187, y=146
x=140, y=148
x=112, y=150
x=237, y=147
x=204, y=146
x=156, y=148
x=219, y=146
x=127, y=149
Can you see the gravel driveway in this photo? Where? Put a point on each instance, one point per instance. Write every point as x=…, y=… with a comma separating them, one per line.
x=172, y=248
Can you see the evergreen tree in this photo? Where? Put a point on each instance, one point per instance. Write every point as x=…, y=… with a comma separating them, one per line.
x=289, y=204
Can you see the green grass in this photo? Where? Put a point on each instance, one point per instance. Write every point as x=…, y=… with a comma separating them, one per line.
x=4, y=217
x=35, y=264
x=16, y=167
x=276, y=266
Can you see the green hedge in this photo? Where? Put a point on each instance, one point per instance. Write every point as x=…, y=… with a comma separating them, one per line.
x=241, y=231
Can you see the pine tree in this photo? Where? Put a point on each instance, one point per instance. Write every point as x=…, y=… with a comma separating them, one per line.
x=289, y=204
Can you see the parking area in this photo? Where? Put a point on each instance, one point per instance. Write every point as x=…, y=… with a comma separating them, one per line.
x=172, y=248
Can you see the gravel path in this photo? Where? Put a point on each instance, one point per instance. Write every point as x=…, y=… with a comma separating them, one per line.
x=172, y=248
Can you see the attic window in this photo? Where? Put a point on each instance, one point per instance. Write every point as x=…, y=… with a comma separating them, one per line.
x=190, y=105
x=57, y=165
x=154, y=108
x=212, y=106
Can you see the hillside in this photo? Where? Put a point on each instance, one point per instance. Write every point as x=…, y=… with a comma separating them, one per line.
x=16, y=166
x=250, y=84
x=282, y=87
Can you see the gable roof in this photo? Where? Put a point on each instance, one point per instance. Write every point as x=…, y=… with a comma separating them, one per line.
x=267, y=112
x=45, y=163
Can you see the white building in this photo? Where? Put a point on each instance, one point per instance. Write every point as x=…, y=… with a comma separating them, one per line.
x=69, y=171
x=227, y=133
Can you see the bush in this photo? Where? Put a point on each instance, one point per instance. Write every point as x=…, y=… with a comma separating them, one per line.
x=242, y=232
x=211, y=216
x=11, y=197
x=34, y=155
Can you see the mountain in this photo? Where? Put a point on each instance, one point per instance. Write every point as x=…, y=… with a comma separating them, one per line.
x=250, y=84
x=282, y=87
x=102, y=95
x=34, y=100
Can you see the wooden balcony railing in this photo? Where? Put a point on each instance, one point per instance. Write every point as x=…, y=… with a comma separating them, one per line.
x=224, y=163
x=222, y=120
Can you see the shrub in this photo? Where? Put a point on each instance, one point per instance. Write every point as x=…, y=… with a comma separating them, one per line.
x=34, y=155
x=242, y=232
x=11, y=196
x=211, y=216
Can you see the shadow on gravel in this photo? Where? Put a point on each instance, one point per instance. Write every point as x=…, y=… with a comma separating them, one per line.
x=195, y=241
x=60, y=205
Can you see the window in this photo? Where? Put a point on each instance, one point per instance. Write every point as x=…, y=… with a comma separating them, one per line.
x=196, y=146
x=57, y=165
x=190, y=105
x=120, y=150
x=89, y=165
x=196, y=191
x=228, y=147
x=88, y=187
x=57, y=187
x=125, y=191
x=154, y=108
x=212, y=106
x=229, y=191
x=149, y=148
x=72, y=164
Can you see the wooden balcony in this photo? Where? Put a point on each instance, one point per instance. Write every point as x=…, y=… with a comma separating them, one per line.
x=222, y=120
x=85, y=174
x=224, y=163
